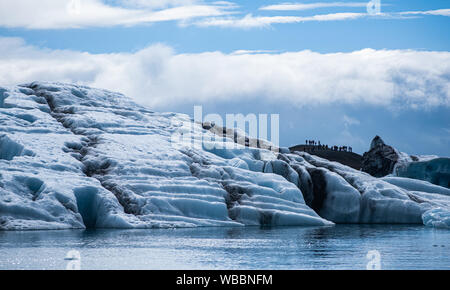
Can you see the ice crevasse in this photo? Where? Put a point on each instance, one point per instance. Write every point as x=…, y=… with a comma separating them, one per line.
x=77, y=157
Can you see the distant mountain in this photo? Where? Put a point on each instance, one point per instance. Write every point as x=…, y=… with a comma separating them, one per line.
x=77, y=157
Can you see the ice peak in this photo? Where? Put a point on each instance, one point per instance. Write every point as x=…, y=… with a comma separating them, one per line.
x=376, y=142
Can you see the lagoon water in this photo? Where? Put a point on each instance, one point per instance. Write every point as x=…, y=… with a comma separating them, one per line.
x=337, y=247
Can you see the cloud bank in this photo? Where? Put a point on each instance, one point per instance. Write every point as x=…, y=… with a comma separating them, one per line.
x=250, y=21
x=309, y=6
x=63, y=14
x=438, y=12
x=80, y=14
x=159, y=77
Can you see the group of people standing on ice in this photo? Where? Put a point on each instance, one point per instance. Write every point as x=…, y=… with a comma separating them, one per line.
x=317, y=145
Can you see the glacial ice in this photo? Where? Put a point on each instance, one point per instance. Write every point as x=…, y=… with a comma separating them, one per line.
x=416, y=185
x=435, y=170
x=437, y=217
x=78, y=157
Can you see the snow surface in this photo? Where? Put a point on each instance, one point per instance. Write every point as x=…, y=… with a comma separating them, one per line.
x=77, y=157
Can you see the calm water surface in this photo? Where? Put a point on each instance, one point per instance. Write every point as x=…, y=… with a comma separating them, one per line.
x=338, y=247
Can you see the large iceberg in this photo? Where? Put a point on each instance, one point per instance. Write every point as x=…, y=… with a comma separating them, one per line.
x=382, y=160
x=77, y=157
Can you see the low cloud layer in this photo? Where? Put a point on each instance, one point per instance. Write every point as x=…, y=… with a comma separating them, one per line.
x=161, y=78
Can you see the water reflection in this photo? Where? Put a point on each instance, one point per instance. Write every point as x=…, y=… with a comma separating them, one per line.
x=336, y=247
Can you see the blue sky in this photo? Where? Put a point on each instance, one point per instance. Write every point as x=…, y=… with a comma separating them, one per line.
x=421, y=33
x=409, y=43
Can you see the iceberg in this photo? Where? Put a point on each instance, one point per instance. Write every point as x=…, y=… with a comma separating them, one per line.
x=77, y=157
x=436, y=171
x=438, y=217
x=384, y=160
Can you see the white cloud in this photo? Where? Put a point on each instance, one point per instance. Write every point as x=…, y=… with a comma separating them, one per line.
x=439, y=12
x=308, y=6
x=64, y=14
x=346, y=136
x=59, y=14
x=153, y=4
x=245, y=51
x=349, y=121
x=250, y=21
x=159, y=77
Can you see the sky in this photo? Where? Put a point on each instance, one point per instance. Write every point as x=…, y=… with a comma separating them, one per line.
x=336, y=71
